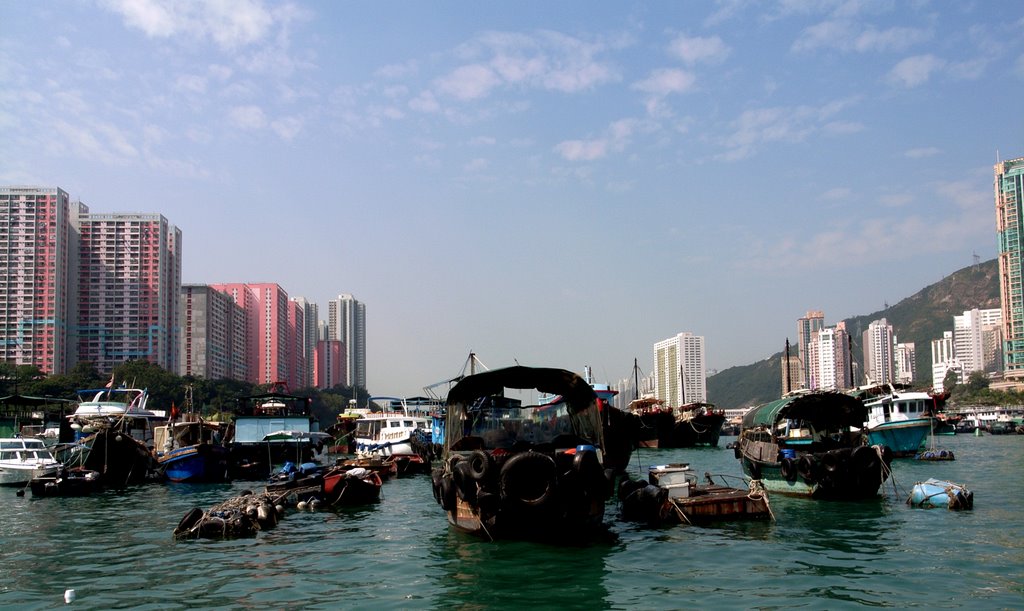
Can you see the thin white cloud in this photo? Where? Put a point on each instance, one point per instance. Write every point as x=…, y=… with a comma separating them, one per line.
x=760, y=126
x=229, y=23
x=247, y=117
x=850, y=36
x=468, y=82
x=287, y=128
x=914, y=71
x=692, y=51
x=617, y=136
x=664, y=81
x=922, y=152
x=191, y=83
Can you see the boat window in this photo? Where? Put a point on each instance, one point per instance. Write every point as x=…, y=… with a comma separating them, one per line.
x=408, y=423
x=7, y=456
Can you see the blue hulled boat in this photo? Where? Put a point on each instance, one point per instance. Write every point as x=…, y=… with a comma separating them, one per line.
x=194, y=451
x=898, y=419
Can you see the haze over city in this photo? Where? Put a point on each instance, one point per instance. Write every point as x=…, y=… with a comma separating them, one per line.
x=559, y=185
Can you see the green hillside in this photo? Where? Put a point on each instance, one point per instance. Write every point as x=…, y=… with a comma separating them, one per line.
x=919, y=318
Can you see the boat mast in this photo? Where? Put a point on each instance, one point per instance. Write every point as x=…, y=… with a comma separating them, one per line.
x=789, y=381
x=636, y=380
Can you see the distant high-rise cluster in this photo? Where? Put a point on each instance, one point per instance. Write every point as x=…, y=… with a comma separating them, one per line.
x=76, y=285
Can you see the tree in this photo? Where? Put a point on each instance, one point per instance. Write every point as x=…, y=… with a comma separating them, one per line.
x=977, y=381
x=949, y=381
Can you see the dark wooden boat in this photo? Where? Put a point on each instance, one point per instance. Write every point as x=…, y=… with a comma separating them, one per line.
x=351, y=486
x=524, y=472
x=810, y=443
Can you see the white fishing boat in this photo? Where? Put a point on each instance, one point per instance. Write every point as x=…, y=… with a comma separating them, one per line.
x=24, y=458
x=395, y=430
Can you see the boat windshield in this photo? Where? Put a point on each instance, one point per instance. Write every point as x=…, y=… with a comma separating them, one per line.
x=492, y=423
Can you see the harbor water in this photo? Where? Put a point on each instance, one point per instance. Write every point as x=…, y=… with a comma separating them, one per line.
x=115, y=550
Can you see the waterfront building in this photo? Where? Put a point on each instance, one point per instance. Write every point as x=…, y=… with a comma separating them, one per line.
x=129, y=285
x=679, y=370
x=329, y=364
x=878, y=353
x=213, y=335
x=812, y=322
x=36, y=254
x=1009, y=199
x=977, y=339
x=346, y=322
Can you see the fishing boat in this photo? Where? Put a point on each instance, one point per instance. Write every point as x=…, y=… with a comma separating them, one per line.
x=898, y=419
x=656, y=421
x=193, y=450
x=940, y=493
x=393, y=429
x=809, y=443
x=114, y=435
x=672, y=495
x=696, y=424
x=23, y=459
x=272, y=429
x=524, y=471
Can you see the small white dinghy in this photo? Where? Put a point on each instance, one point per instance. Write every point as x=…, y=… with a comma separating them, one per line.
x=940, y=493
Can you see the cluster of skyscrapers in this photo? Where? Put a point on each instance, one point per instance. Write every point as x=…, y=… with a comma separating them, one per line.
x=106, y=288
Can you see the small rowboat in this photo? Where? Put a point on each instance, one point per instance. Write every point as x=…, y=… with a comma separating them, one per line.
x=938, y=493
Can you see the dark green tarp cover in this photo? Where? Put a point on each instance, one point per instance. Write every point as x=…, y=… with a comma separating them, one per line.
x=825, y=409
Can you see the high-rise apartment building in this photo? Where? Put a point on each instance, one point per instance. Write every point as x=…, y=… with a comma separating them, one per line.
x=129, y=285
x=311, y=316
x=270, y=346
x=828, y=358
x=904, y=368
x=943, y=360
x=792, y=366
x=812, y=322
x=329, y=364
x=679, y=370
x=36, y=254
x=213, y=335
x=346, y=322
x=977, y=341
x=879, y=366
x=1009, y=196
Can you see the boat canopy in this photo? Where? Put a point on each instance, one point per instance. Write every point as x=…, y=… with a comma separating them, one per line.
x=576, y=392
x=825, y=409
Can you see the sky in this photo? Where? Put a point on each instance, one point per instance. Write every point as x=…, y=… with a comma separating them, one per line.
x=550, y=184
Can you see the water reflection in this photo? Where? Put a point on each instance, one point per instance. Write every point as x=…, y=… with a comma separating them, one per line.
x=476, y=574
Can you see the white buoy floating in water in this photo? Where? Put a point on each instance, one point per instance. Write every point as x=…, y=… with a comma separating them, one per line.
x=69, y=596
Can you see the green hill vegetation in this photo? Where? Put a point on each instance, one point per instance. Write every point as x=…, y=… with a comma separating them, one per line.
x=919, y=318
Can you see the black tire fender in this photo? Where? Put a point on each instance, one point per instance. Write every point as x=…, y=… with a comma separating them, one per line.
x=788, y=469
x=481, y=465
x=807, y=467
x=529, y=479
x=190, y=520
x=447, y=493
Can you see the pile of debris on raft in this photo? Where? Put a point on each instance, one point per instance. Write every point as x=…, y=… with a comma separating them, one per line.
x=248, y=513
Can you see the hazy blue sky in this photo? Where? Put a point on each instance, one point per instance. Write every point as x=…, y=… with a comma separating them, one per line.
x=558, y=183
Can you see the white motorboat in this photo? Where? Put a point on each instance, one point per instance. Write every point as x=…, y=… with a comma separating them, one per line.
x=25, y=458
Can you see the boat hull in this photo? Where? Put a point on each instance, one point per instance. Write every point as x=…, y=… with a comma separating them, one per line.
x=197, y=463
x=119, y=458
x=703, y=430
x=904, y=438
x=846, y=473
x=11, y=475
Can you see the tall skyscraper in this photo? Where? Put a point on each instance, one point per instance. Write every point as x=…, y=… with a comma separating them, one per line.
x=813, y=321
x=129, y=285
x=329, y=364
x=1009, y=195
x=311, y=315
x=270, y=349
x=36, y=251
x=346, y=322
x=976, y=340
x=213, y=335
x=679, y=370
x=943, y=360
x=879, y=367
x=904, y=368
